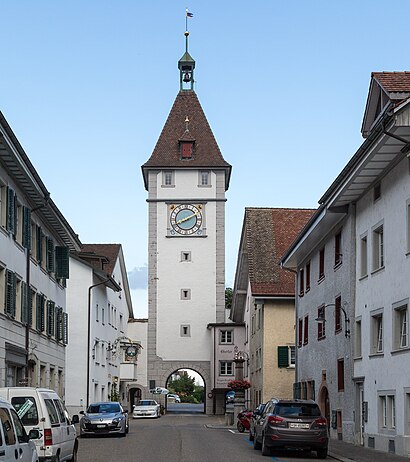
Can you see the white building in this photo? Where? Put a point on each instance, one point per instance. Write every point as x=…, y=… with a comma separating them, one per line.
x=35, y=240
x=364, y=220
x=186, y=178
x=99, y=303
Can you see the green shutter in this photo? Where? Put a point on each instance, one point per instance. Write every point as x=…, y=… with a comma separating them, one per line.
x=50, y=318
x=62, y=262
x=24, y=303
x=59, y=320
x=11, y=211
x=10, y=302
x=65, y=328
x=39, y=244
x=50, y=255
x=30, y=294
x=26, y=228
x=283, y=356
x=40, y=312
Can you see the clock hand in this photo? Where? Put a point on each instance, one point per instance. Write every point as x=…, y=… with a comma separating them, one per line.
x=186, y=218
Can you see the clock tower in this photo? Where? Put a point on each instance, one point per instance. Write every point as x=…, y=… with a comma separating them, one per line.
x=186, y=178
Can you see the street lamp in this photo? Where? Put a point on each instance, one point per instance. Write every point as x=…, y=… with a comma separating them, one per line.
x=322, y=318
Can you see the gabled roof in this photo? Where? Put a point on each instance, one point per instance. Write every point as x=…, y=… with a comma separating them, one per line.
x=101, y=256
x=166, y=154
x=386, y=89
x=268, y=233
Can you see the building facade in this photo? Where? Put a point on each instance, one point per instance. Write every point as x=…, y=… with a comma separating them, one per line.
x=35, y=241
x=264, y=299
x=186, y=178
x=99, y=304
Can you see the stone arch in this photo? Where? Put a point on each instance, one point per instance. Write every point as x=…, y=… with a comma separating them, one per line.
x=324, y=402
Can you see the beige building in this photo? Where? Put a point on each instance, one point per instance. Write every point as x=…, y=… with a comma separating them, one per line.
x=264, y=298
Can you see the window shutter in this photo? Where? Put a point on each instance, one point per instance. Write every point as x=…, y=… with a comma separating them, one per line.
x=313, y=390
x=296, y=390
x=10, y=293
x=26, y=228
x=50, y=255
x=39, y=244
x=40, y=312
x=30, y=294
x=11, y=211
x=283, y=356
x=50, y=318
x=62, y=262
x=24, y=303
x=65, y=328
x=59, y=322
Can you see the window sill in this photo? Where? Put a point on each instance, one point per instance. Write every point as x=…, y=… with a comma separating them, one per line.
x=292, y=366
x=362, y=278
x=322, y=278
x=400, y=350
x=167, y=186
x=301, y=294
x=321, y=338
x=204, y=186
x=337, y=265
x=338, y=330
x=358, y=358
x=376, y=355
x=377, y=270
x=307, y=290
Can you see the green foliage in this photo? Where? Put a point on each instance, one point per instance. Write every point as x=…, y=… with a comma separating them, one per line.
x=228, y=298
x=185, y=387
x=115, y=396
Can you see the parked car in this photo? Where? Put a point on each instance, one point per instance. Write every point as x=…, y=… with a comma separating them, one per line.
x=257, y=412
x=13, y=437
x=42, y=409
x=146, y=408
x=230, y=397
x=174, y=398
x=104, y=418
x=291, y=424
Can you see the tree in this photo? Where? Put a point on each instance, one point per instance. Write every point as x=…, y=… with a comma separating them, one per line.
x=228, y=298
x=183, y=386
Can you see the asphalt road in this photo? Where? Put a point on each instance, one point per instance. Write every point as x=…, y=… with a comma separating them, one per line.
x=178, y=438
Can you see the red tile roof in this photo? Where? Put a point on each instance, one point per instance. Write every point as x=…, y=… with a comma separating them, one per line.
x=167, y=154
x=393, y=82
x=101, y=256
x=269, y=233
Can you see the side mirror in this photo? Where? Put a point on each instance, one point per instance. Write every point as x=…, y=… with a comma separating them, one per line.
x=82, y=412
x=125, y=411
x=75, y=419
x=34, y=434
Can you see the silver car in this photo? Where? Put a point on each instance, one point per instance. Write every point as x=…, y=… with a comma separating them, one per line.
x=104, y=418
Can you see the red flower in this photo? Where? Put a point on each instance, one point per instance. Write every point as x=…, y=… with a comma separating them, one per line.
x=239, y=384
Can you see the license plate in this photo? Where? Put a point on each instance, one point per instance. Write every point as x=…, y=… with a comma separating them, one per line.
x=100, y=426
x=298, y=425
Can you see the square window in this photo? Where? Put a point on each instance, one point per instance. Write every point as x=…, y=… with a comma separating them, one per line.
x=306, y=331
x=225, y=367
x=300, y=332
x=376, y=333
x=338, y=310
x=338, y=248
x=340, y=374
x=185, y=294
x=204, y=178
x=358, y=339
x=363, y=256
x=226, y=336
x=301, y=282
x=185, y=256
x=307, y=275
x=321, y=324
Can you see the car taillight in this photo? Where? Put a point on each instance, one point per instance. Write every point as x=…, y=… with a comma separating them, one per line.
x=48, y=437
x=276, y=420
x=320, y=422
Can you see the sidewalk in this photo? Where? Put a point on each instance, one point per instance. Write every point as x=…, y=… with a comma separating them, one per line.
x=346, y=452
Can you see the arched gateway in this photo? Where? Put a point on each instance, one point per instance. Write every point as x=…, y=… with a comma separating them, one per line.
x=186, y=178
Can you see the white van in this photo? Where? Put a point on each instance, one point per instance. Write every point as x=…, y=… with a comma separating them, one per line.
x=14, y=442
x=42, y=409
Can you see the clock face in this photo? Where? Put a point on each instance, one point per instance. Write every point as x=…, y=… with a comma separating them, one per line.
x=186, y=219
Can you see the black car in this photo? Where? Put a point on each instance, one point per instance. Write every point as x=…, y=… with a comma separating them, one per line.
x=291, y=424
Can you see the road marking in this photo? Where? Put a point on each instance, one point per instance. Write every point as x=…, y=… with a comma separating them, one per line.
x=251, y=443
x=232, y=431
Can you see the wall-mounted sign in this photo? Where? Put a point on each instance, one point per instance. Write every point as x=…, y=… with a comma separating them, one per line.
x=131, y=351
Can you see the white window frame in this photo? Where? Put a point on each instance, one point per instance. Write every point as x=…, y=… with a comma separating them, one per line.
x=226, y=336
x=363, y=256
x=377, y=332
x=401, y=325
x=292, y=355
x=168, y=178
x=378, y=247
x=226, y=368
x=204, y=178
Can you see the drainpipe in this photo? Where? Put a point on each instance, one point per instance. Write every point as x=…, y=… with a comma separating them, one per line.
x=89, y=336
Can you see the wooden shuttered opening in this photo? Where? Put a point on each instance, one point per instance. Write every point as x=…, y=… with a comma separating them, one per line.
x=11, y=212
x=65, y=328
x=187, y=148
x=25, y=295
x=49, y=254
x=39, y=244
x=283, y=356
x=62, y=259
x=26, y=237
x=50, y=318
x=11, y=282
x=40, y=300
x=59, y=323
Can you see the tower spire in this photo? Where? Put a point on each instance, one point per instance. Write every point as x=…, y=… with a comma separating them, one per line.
x=186, y=64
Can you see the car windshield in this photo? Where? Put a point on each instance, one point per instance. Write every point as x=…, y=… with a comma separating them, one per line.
x=105, y=408
x=297, y=410
x=146, y=402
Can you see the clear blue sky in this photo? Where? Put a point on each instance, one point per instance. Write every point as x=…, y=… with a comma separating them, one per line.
x=87, y=86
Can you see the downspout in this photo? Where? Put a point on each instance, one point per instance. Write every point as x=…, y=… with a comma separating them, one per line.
x=89, y=336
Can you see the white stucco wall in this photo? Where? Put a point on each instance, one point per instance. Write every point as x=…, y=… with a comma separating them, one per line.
x=385, y=373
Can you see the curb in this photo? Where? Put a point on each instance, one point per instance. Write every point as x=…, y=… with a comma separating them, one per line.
x=332, y=455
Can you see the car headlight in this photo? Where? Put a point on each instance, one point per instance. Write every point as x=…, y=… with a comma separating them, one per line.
x=86, y=420
x=117, y=420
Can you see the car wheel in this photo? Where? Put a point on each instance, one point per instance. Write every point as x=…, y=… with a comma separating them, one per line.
x=75, y=450
x=265, y=449
x=256, y=444
x=321, y=453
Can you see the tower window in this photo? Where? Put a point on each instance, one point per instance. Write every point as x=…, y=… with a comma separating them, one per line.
x=204, y=178
x=185, y=256
x=168, y=178
x=185, y=330
x=187, y=149
x=185, y=294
